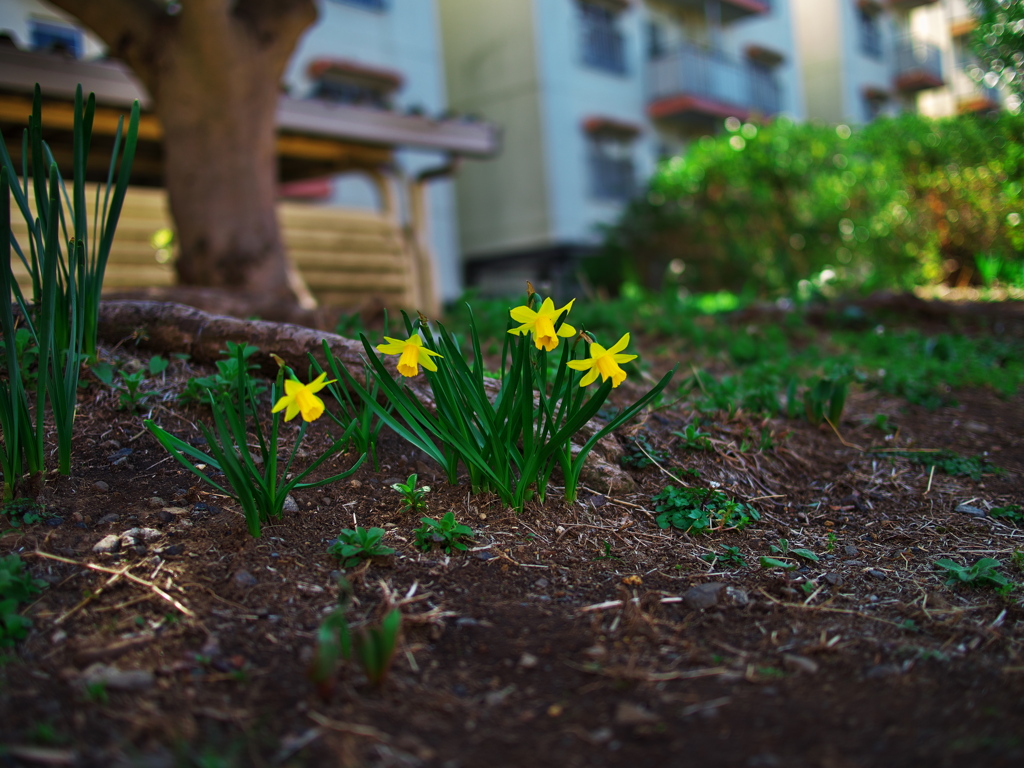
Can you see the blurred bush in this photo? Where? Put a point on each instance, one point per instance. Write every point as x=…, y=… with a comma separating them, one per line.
x=794, y=209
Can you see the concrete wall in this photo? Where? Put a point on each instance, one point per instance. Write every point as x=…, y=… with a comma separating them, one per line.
x=491, y=64
x=775, y=31
x=817, y=33
x=572, y=92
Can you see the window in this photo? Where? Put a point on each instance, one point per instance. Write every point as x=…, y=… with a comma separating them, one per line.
x=350, y=92
x=603, y=46
x=874, y=103
x=870, y=31
x=657, y=45
x=610, y=161
x=352, y=82
x=54, y=37
x=370, y=5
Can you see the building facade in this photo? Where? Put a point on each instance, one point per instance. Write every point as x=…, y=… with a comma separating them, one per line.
x=949, y=26
x=590, y=95
x=861, y=60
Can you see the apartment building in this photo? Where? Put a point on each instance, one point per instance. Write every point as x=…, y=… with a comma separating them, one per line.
x=860, y=59
x=367, y=123
x=949, y=25
x=590, y=95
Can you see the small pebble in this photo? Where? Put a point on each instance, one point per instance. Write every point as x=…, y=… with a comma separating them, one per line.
x=118, y=679
x=110, y=517
x=876, y=573
x=155, y=502
x=850, y=551
x=290, y=504
x=627, y=713
x=528, y=661
x=799, y=663
x=99, y=485
x=967, y=509
x=244, y=579
x=703, y=595
x=107, y=544
x=833, y=579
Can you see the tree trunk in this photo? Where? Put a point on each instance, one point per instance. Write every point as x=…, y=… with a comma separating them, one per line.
x=213, y=69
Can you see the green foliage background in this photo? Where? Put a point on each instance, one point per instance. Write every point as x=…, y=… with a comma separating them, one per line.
x=999, y=42
x=896, y=203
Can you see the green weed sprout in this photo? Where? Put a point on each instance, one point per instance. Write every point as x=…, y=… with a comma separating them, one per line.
x=129, y=384
x=729, y=556
x=826, y=399
x=446, y=533
x=23, y=511
x=510, y=436
x=16, y=586
x=353, y=547
x=785, y=556
x=699, y=510
x=413, y=498
x=66, y=267
x=374, y=647
x=257, y=487
x=693, y=439
x=1010, y=513
x=222, y=383
x=982, y=573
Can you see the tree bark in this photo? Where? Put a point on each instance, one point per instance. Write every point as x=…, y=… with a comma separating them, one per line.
x=214, y=70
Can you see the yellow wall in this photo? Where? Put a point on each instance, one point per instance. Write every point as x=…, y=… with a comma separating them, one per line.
x=491, y=72
x=818, y=36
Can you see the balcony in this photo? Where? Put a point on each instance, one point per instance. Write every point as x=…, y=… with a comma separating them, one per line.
x=690, y=84
x=972, y=96
x=906, y=5
x=730, y=10
x=918, y=66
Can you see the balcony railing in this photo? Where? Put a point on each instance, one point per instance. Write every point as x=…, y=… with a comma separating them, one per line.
x=692, y=80
x=918, y=66
x=972, y=96
x=908, y=4
x=731, y=10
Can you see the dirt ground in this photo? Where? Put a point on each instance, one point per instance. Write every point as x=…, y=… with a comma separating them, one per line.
x=568, y=635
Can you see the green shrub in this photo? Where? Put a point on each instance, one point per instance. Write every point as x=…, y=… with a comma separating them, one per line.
x=809, y=208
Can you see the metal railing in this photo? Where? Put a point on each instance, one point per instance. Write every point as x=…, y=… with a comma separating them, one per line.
x=691, y=71
x=602, y=44
x=914, y=56
x=611, y=178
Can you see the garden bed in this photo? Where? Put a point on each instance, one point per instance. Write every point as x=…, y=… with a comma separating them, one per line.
x=568, y=634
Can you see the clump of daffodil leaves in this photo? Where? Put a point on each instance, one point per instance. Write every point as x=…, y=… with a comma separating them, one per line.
x=257, y=486
x=509, y=433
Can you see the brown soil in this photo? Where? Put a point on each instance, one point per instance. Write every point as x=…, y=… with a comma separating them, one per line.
x=562, y=638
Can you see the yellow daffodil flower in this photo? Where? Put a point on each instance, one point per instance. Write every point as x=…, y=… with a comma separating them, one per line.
x=300, y=398
x=604, y=362
x=413, y=354
x=542, y=324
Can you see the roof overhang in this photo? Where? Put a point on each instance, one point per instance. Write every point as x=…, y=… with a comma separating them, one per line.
x=315, y=138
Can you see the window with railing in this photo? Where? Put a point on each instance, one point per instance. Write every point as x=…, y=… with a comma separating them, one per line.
x=611, y=170
x=870, y=29
x=369, y=5
x=350, y=92
x=874, y=102
x=53, y=37
x=602, y=43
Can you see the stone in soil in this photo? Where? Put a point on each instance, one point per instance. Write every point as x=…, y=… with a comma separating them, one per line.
x=703, y=595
